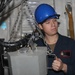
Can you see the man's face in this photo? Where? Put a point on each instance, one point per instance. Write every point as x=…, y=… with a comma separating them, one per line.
x=50, y=27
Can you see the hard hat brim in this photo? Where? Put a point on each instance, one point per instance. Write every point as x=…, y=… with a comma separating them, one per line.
x=56, y=16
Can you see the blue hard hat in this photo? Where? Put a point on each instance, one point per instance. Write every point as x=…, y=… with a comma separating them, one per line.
x=44, y=12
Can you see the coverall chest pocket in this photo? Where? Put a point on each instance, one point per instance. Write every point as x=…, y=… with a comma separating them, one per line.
x=65, y=56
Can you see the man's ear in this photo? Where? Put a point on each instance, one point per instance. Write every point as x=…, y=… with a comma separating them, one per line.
x=40, y=26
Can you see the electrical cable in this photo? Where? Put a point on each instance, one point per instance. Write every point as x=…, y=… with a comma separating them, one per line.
x=4, y=4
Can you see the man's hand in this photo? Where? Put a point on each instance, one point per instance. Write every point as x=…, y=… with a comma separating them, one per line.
x=58, y=65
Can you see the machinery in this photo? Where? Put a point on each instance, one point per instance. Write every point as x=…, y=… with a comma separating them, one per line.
x=20, y=54
x=28, y=62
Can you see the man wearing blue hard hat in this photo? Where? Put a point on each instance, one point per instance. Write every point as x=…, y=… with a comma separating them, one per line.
x=63, y=47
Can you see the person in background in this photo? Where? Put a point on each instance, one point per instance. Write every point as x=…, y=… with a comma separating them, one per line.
x=62, y=46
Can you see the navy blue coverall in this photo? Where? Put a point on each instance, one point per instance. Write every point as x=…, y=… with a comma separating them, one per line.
x=65, y=50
